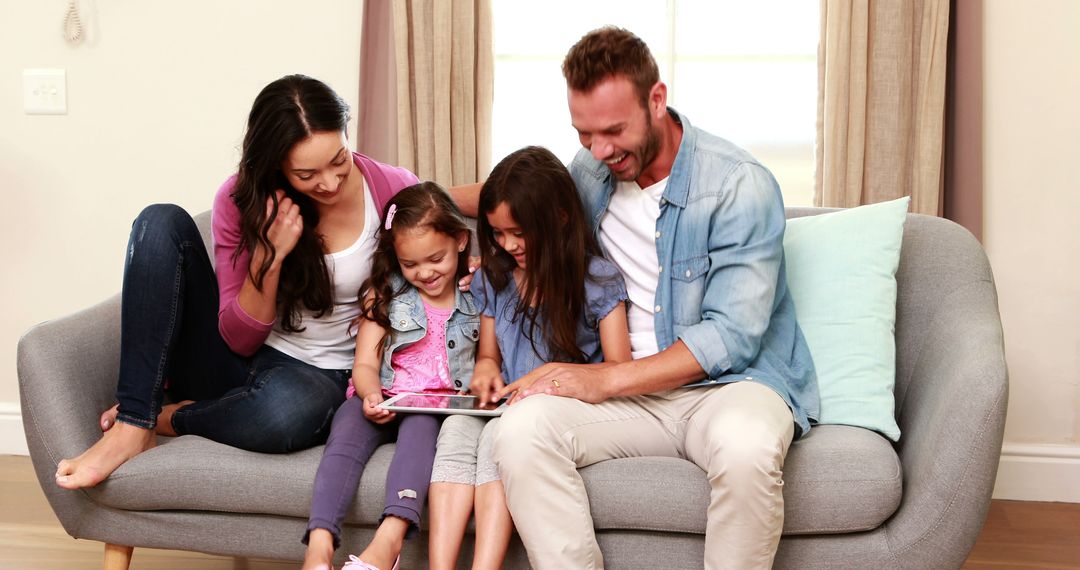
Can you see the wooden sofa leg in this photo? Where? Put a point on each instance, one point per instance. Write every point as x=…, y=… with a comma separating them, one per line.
x=117, y=557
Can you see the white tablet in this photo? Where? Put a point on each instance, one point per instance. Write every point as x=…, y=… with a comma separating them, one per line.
x=442, y=404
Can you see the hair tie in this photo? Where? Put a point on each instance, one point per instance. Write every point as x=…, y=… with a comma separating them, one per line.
x=390, y=216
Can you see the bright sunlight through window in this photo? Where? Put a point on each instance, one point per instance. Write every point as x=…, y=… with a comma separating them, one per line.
x=744, y=71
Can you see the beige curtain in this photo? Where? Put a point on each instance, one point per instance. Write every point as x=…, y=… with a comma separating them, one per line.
x=442, y=74
x=881, y=102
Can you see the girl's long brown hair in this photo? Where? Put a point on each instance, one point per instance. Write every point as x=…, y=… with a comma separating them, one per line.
x=286, y=112
x=423, y=205
x=544, y=202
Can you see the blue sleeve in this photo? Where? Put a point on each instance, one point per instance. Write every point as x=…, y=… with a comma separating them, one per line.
x=746, y=248
x=604, y=290
x=483, y=295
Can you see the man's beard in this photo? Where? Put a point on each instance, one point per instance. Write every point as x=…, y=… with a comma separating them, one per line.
x=646, y=153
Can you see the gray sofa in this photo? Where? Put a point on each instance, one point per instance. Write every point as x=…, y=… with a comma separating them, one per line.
x=853, y=499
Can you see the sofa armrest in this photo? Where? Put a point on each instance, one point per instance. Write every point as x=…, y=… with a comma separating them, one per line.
x=952, y=416
x=67, y=371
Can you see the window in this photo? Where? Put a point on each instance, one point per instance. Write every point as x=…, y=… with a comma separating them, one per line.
x=745, y=71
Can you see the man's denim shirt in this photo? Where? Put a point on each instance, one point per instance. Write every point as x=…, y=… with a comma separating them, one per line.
x=722, y=287
x=408, y=324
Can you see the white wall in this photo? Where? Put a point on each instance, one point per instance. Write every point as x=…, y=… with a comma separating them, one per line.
x=1032, y=199
x=157, y=101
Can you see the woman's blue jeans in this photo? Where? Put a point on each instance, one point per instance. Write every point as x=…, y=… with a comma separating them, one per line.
x=170, y=345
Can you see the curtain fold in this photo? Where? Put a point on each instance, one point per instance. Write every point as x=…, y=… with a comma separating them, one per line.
x=442, y=68
x=881, y=102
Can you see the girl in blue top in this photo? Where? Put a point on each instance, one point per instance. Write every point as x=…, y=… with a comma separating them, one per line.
x=545, y=294
x=417, y=333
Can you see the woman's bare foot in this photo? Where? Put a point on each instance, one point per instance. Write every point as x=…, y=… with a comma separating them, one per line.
x=320, y=550
x=164, y=421
x=122, y=442
x=108, y=418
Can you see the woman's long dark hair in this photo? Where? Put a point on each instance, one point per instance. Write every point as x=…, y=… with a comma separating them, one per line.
x=286, y=112
x=544, y=202
x=423, y=205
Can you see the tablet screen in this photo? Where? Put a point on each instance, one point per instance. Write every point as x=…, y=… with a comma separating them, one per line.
x=441, y=403
x=451, y=401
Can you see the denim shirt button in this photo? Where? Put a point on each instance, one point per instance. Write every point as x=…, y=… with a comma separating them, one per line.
x=657, y=309
x=657, y=235
x=688, y=273
x=457, y=383
x=661, y=269
x=475, y=333
x=401, y=322
x=450, y=344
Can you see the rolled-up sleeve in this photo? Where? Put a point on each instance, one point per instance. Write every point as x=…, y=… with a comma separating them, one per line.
x=745, y=249
x=243, y=333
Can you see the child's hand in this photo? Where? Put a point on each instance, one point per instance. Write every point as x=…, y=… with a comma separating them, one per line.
x=375, y=414
x=486, y=381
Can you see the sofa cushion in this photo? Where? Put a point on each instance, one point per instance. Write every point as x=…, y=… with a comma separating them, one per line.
x=837, y=479
x=840, y=479
x=841, y=269
x=194, y=473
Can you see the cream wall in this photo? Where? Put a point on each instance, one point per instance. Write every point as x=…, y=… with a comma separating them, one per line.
x=1032, y=202
x=157, y=100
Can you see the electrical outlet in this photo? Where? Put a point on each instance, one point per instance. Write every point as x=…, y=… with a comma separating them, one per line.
x=45, y=91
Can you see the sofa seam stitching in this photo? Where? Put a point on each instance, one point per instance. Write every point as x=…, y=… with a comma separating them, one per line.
x=955, y=490
x=934, y=320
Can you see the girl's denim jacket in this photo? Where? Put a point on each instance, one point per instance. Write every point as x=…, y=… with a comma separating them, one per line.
x=408, y=324
x=722, y=288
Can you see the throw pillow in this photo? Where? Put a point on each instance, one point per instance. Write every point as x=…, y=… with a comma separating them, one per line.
x=841, y=269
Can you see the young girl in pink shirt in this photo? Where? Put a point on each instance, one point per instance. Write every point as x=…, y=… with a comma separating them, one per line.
x=417, y=333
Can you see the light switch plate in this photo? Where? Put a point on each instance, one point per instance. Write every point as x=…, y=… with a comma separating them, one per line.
x=45, y=91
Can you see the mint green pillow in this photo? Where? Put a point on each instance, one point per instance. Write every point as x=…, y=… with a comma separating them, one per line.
x=841, y=269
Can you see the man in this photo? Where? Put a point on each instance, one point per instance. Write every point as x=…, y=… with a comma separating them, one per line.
x=696, y=226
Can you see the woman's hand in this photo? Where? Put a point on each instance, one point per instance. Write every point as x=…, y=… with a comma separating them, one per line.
x=258, y=294
x=466, y=282
x=375, y=414
x=287, y=226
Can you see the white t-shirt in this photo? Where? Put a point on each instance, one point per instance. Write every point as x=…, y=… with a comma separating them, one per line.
x=329, y=341
x=628, y=234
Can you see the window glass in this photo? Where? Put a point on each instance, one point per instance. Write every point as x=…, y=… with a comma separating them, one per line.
x=744, y=71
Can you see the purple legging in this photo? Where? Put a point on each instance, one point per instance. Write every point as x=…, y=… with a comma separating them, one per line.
x=352, y=441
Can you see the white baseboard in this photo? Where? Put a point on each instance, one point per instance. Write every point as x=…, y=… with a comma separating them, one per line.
x=1039, y=472
x=12, y=437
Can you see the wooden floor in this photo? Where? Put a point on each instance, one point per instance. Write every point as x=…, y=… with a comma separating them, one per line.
x=1017, y=535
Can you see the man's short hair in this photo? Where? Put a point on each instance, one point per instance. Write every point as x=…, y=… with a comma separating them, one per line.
x=610, y=52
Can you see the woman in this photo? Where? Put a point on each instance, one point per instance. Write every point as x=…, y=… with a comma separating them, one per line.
x=258, y=355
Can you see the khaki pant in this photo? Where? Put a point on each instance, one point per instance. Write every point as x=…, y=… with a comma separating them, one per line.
x=737, y=433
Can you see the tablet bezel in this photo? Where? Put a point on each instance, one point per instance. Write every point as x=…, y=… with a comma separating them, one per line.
x=391, y=405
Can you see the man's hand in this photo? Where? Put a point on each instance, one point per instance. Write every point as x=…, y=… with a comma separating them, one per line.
x=586, y=382
x=374, y=413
